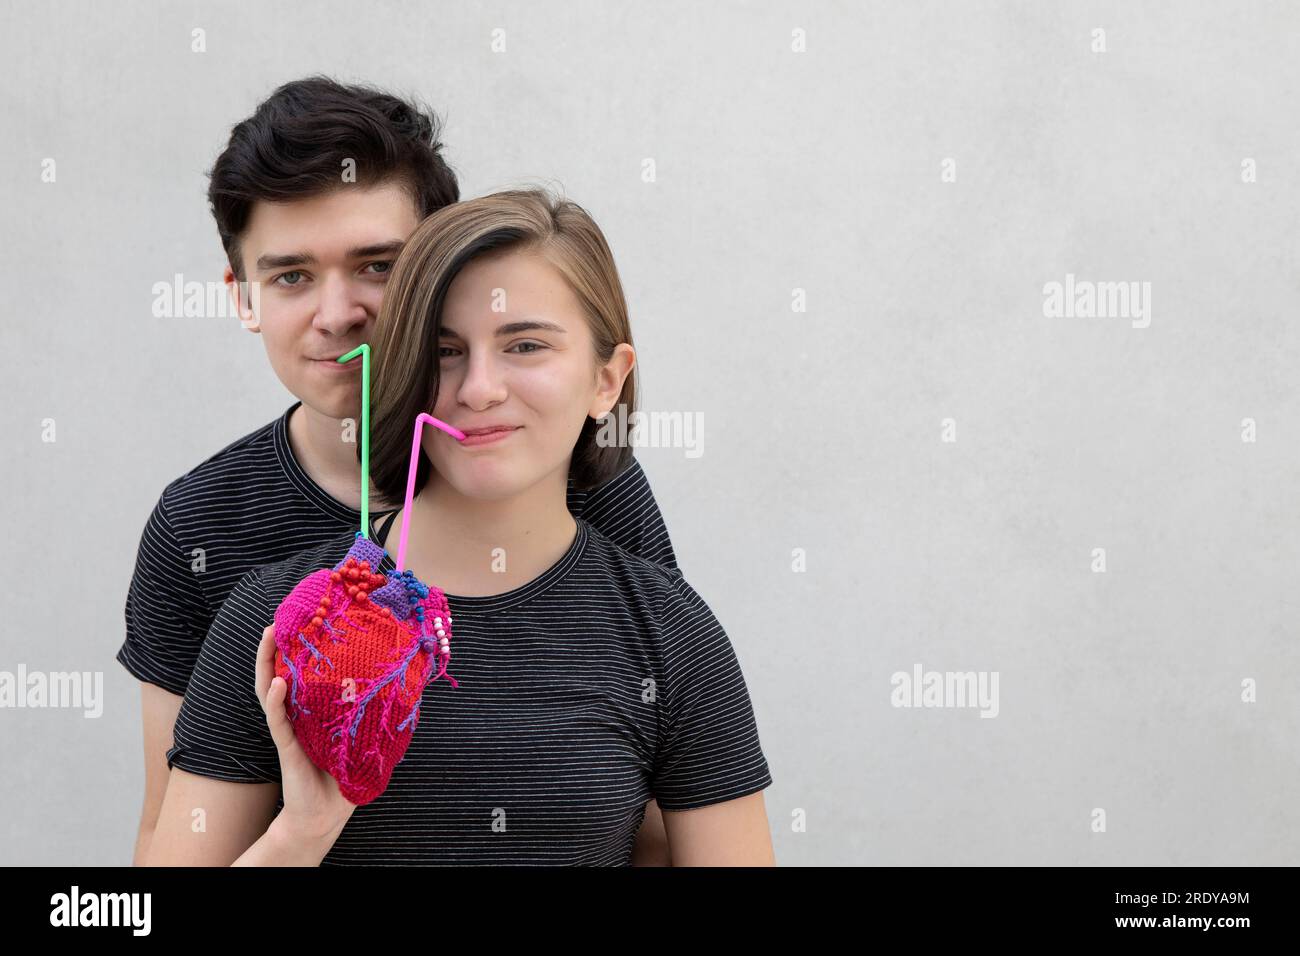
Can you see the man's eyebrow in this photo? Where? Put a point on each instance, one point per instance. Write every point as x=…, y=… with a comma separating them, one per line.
x=391, y=247
x=271, y=261
x=510, y=328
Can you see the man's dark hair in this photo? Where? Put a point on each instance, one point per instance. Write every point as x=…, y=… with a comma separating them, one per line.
x=295, y=144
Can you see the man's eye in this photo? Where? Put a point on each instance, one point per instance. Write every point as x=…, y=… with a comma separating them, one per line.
x=385, y=267
x=285, y=276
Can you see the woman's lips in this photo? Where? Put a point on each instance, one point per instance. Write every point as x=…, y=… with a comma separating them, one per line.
x=489, y=438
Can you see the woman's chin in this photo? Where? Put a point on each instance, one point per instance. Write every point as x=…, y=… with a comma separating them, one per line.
x=487, y=484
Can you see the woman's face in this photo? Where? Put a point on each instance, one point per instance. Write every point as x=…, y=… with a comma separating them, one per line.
x=515, y=350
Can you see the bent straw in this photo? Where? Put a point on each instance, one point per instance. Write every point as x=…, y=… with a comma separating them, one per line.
x=364, y=352
x=455, y=433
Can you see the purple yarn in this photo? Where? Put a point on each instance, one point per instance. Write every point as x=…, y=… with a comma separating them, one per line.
x=363, y=549
x=393, y=595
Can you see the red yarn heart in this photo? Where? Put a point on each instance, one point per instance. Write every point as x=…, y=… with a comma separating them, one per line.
x=357, y=649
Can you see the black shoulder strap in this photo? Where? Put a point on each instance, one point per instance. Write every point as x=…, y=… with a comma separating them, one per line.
x=383, y=529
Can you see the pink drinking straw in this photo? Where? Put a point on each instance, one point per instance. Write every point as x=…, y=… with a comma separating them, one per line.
x=455, y=433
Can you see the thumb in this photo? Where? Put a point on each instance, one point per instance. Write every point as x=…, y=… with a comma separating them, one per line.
x=277, y=720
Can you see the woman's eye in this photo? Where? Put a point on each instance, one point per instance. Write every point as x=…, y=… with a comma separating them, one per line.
x=285, y=276
x=382, y=271
x=447, y=351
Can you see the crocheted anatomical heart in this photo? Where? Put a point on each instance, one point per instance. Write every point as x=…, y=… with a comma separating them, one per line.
x=356, y=649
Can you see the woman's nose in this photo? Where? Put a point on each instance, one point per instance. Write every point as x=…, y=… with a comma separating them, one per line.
x=484, y=380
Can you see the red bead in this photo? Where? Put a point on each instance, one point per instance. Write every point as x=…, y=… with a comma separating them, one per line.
x=315, y=621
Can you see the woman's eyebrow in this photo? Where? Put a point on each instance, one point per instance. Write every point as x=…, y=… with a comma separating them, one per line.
x=511, y=328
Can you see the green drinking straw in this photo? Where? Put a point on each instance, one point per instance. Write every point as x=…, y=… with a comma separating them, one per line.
x=364, y=352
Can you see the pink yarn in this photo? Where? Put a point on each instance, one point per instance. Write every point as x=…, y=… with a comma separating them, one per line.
x=357, y=649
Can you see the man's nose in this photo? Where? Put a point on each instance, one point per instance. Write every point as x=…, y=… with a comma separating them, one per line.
x=339, y=308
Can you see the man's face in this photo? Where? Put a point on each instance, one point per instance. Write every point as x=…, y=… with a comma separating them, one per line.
x=321, y=264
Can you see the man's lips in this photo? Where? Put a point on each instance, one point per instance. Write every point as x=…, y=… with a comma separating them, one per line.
x=336, y=364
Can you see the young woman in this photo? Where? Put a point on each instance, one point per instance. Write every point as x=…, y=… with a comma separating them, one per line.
x=588, y=679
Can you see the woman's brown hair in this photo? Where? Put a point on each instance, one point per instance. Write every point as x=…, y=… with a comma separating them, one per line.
x=405, y=339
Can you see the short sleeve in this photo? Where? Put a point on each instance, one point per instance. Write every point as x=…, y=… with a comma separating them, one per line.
x=221, y=728
x=625, y=511
x=166, y=612
x=709, y=749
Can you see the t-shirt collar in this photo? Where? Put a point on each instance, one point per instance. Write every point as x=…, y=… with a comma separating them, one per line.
x=491, y=603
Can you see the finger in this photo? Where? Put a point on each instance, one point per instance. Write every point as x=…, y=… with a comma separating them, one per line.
x=265, y=669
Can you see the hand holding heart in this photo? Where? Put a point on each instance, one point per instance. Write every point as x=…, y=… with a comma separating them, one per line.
x=312, y=799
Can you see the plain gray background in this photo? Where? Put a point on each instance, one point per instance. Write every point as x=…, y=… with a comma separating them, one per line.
x=776, y=171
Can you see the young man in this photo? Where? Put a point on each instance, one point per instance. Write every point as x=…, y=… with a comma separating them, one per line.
x=313, y=196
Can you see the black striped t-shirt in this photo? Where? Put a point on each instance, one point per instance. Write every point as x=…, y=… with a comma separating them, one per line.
x=603, y=682
x=251, y=504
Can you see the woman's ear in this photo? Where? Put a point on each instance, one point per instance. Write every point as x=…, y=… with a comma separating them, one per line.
x=610, y=378
x=244, y=295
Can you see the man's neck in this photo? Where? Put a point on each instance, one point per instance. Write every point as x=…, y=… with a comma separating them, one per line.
x=472, y=548
x=331, y=462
